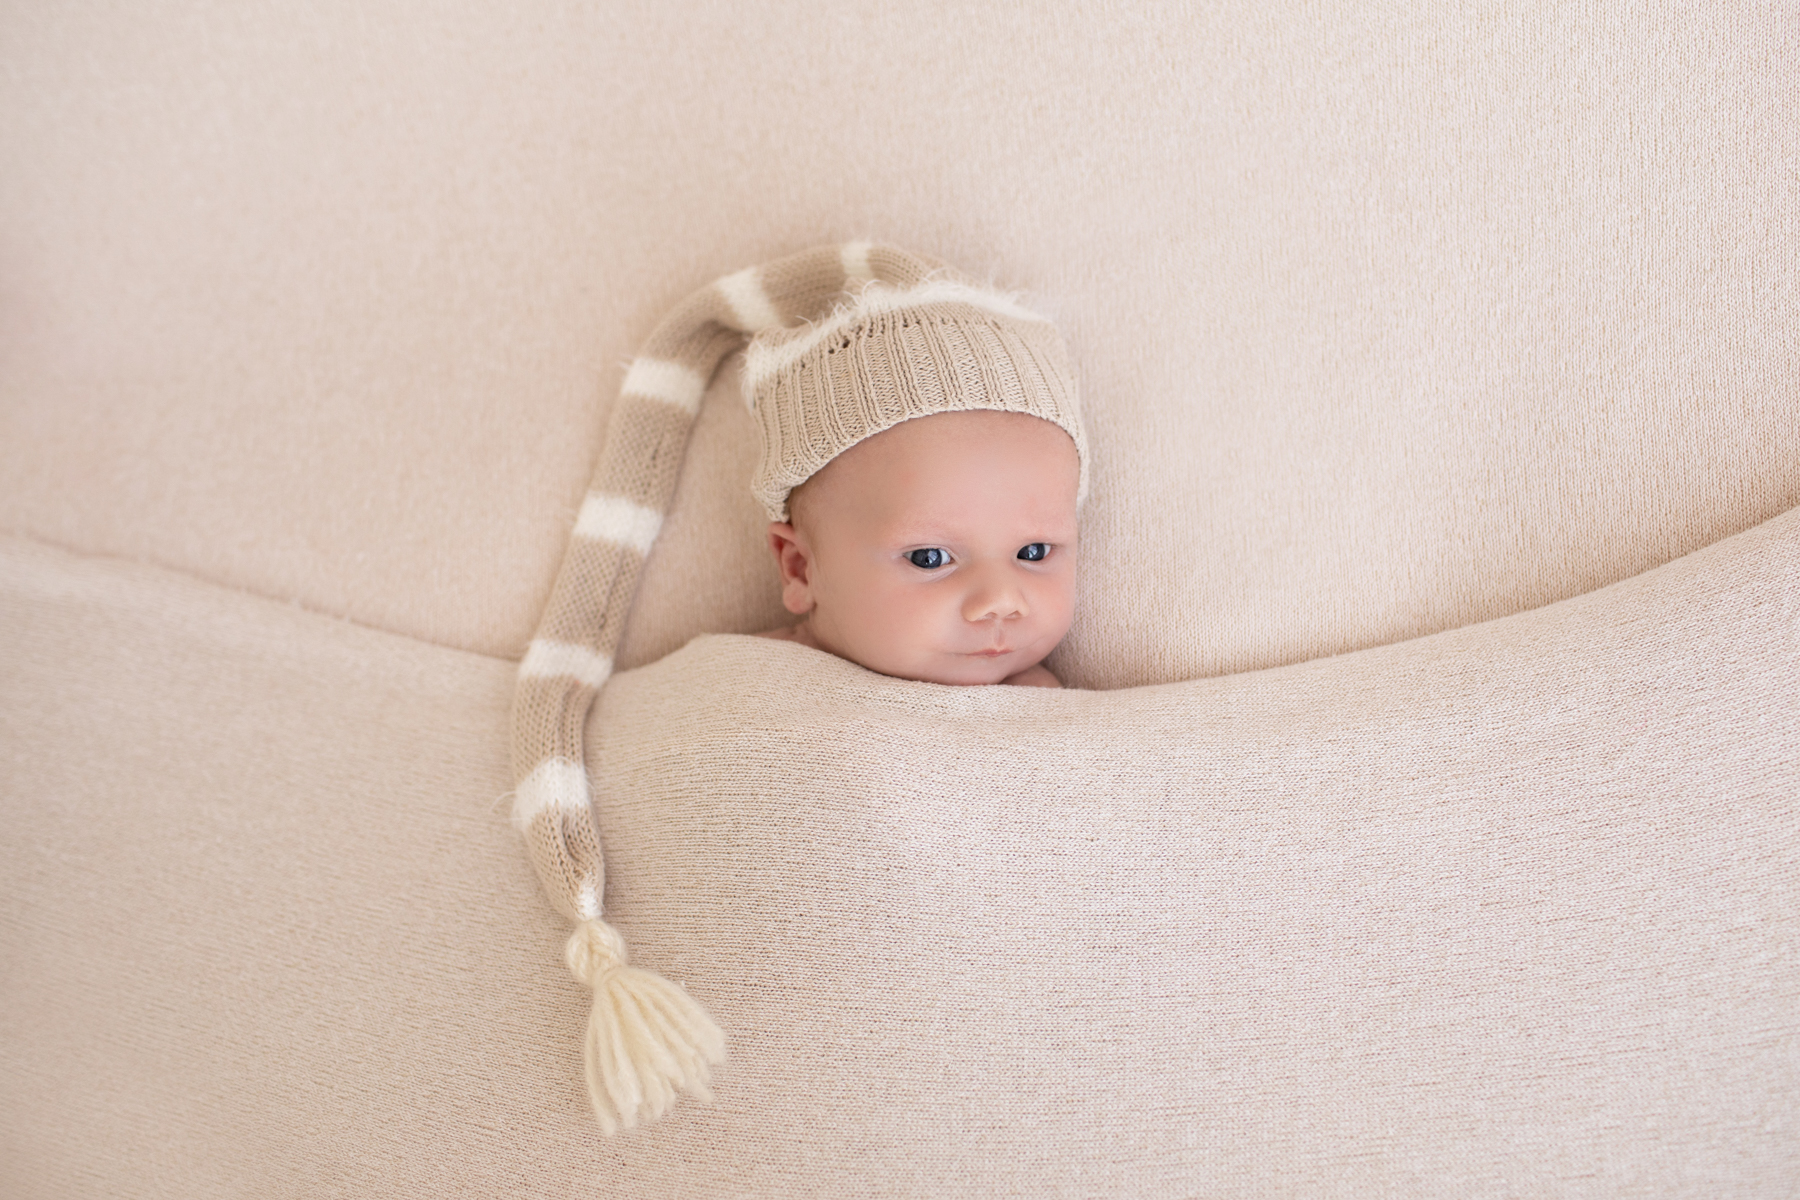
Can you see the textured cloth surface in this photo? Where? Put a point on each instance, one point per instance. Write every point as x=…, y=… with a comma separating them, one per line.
x=844, y=342
x=639, y=1059
x=889, y=355
x=1461, y=312
x=1506, y=911
x=1387, y=318
x=222, y=972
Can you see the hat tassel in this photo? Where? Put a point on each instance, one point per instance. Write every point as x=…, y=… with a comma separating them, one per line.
x=647, y=1039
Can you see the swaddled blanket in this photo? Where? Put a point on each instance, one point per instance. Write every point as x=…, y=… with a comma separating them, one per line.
x=914, y=342
x=1517, y=898
x=1410, y=877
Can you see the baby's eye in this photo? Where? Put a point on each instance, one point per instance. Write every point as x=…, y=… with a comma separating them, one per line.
x=930, y=559
x=1034, y=552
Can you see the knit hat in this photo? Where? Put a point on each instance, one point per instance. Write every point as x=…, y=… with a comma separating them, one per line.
x=892, y=354
x=912, y=341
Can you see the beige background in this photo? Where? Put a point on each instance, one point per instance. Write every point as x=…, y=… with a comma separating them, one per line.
x=1390, y=319
x=1505, y=911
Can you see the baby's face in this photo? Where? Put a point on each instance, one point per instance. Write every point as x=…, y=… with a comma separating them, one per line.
x=942, y=549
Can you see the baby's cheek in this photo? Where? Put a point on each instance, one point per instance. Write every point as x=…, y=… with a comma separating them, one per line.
x=1061, y=603
x=902, y=624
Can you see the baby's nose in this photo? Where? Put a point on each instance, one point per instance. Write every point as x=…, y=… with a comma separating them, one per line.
x=994, y=598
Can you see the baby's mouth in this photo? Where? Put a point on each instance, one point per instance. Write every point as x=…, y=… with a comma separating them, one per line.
x=991, y=652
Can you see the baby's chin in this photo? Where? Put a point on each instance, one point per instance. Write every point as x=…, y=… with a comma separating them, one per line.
x=925, y=663
x=960, y=670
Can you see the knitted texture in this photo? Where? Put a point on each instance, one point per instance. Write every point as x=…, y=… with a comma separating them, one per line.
x=888, y=356
x=912, y=342
x=633, y=482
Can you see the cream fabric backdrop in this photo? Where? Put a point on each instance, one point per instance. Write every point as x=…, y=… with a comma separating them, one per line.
x=1510, y=910
x=1389, y=319
x=1506, y=911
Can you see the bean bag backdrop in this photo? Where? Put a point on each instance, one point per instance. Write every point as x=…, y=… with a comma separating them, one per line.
x=1501, y=909
x=1421, y=815
x=1508, y=909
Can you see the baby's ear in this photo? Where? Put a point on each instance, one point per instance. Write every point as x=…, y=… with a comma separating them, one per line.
x=794, y=561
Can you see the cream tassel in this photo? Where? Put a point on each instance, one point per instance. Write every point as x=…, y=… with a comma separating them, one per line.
x=647, y=1038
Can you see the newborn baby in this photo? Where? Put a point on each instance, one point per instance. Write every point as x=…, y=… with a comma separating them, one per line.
x=942, y=549
x=921, y=462
x=922, y=459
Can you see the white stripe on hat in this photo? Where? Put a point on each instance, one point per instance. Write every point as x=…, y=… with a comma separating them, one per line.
x=761, y=361
x=855, y=257
x=556, y=785
x=551, y=659
x=616, y=519
x=670, y=382
x=750, y=304
x=587, y=901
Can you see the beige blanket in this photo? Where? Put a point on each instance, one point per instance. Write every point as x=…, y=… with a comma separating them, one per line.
x=310, y=319
x=1506, y=911
x=1510, y=908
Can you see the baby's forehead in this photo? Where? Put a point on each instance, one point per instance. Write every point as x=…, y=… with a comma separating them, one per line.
x=950, y=477
x=922, y=347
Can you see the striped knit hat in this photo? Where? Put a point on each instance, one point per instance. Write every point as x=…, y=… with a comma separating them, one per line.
x=890, y=354
x=911, y=342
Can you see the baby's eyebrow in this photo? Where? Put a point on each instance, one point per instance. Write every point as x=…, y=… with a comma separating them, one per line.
x=924, y=536
x=921, y=533
x=939, y=528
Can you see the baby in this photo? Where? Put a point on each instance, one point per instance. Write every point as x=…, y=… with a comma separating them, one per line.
x=922, y=462
x=942, y=549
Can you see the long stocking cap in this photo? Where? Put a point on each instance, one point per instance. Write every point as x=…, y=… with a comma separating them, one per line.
x=647, y=1038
